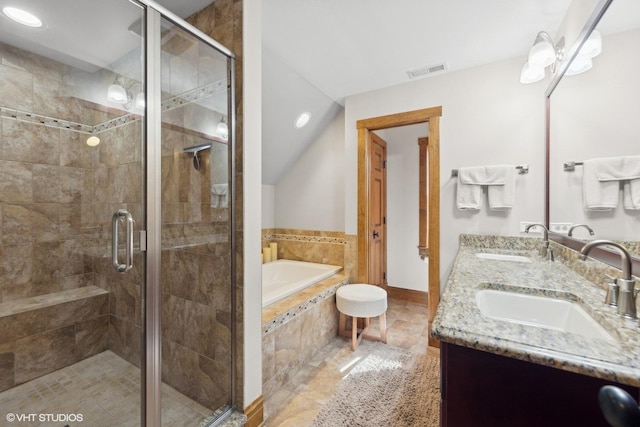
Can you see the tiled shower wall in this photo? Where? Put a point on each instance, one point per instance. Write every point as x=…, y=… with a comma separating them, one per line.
x=50, y=210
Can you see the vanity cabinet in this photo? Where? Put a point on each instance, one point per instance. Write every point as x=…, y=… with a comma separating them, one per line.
x=484, y=389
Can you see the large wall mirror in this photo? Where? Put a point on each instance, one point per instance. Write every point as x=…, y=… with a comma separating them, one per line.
x=592, y=115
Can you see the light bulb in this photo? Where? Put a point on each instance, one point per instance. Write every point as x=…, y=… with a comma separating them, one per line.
x=140, y=101
x=593, y=46
x=531, y=74
x=579, y=65
x=222, y=130
x=116, y=93
x=542, y=54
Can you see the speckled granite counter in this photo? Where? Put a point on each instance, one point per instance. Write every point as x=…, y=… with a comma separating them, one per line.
x=459, y=321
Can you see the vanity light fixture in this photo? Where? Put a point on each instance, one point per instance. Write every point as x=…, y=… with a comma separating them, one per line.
x=222, y=130
x=302, y=120
x=22, y=17
x=544, y=53
x=118, y=93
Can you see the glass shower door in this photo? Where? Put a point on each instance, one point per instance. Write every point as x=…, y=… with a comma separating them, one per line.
x=196, y=224
x=71, y=173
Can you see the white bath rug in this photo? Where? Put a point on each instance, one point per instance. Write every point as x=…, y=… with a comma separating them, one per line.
x=390, y=387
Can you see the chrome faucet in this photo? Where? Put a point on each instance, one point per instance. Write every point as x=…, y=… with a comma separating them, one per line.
x=574, y=226
x=545, y=251
x=626, y=285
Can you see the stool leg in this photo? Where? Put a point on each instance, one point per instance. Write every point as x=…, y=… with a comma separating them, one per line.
x=383, y=327
x=354, y=334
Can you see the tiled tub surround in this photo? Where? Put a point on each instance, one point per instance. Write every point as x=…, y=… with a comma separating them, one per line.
x=294, y=328
x=323, y=247
x=459, y=321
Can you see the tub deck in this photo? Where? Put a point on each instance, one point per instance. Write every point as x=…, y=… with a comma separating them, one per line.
x=281, y=311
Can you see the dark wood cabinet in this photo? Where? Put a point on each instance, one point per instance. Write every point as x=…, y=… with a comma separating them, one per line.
x=484, y=389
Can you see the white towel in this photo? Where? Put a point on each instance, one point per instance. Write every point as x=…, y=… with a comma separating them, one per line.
x=631, y=195
x=597, y=195
x=502, y=197
x=219, y=195
x=484, y=175
x=617, y=168
x=468, y=196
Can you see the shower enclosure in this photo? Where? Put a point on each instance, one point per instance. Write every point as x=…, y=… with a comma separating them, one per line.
x=116, y=210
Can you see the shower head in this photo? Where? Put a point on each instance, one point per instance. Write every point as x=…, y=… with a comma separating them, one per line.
x=195, y=149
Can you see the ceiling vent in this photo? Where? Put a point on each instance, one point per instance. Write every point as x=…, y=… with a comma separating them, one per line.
x=425, y=71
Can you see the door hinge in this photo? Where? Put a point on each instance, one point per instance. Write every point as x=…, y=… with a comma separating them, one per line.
x=384, y=219
x=384, y=164
x=143, y=241
x=384, y=275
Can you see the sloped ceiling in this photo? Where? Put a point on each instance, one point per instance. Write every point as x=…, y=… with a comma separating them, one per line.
x=338, y=48
x=346, y=47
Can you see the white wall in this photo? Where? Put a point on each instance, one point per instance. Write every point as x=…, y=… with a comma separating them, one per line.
x=310, y=195
x=252, y=177
x=405, y=269
x=488, y=117
x=268, y=206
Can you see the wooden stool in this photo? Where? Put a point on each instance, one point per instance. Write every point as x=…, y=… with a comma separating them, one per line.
x=362, y=301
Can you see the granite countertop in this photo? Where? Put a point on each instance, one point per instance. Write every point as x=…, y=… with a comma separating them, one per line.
x=459, y=320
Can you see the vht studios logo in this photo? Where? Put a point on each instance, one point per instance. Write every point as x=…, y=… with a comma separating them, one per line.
x=52, y=418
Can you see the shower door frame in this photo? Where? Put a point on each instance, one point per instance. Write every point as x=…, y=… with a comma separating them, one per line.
x=152, y=309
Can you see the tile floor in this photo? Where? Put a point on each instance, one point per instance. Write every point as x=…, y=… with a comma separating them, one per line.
x=298, y=403
x=104, y=389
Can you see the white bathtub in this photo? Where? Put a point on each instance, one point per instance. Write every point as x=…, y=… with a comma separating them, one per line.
x=284, y=277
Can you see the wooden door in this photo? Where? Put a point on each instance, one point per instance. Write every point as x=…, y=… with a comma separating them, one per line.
x=378, y=212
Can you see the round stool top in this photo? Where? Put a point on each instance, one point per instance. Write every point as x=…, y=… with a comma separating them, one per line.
x=361, y=300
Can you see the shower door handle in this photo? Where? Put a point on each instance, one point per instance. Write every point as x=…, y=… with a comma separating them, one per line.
x=115, y=220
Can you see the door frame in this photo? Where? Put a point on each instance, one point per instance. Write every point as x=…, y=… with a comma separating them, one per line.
x=365, y=127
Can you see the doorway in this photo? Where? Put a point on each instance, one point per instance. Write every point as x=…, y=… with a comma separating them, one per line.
x=365, y=187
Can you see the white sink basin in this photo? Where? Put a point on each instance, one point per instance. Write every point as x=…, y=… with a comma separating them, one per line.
x=501, y=257
x=544, y=312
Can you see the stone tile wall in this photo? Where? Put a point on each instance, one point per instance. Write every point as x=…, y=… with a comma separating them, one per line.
x=39, y=335
x=324, y=247
x=287, y=347
x=49, y=204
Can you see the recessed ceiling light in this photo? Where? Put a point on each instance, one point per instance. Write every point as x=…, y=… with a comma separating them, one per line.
x=302, y=120
x=92, y=141
x=22, y=17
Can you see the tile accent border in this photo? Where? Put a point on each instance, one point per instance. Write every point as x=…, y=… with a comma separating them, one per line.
x=297, y=310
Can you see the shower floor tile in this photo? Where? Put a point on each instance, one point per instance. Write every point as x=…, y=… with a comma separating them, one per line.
x=103, y=389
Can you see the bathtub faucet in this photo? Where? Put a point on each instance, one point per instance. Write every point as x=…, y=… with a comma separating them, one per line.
x=625, y=286
x=545, y=251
